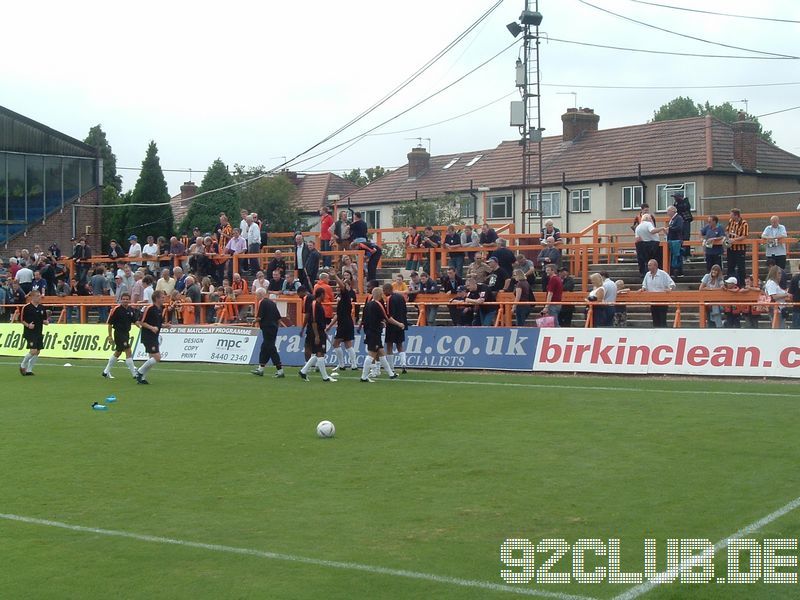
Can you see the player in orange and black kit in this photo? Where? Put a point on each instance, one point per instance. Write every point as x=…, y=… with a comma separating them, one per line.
x=395, y=336
x=119, y=333
x=373, y=320
x=345, y=325
x=308, y=300
x=151, y=323
x=317, y=322
x=34, y=317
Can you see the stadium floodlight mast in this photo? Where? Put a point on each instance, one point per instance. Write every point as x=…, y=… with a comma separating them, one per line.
x=526, y=114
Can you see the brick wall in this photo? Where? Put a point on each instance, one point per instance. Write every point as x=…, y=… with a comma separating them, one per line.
x=58, y=228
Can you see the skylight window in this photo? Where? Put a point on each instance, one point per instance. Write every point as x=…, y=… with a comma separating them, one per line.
x=451, y=163
x=474, y=160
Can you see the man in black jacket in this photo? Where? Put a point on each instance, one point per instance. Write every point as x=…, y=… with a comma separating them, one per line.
x=311, y=263
x=395, y=336
x=450, y=281
x=81, y=255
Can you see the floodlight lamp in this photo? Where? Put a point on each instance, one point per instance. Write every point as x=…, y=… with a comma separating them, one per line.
x=530, y=17
x=514, y=28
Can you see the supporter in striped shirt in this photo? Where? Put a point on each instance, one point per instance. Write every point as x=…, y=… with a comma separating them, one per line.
x=737, y=231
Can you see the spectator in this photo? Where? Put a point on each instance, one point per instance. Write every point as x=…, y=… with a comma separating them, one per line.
x=457, y=307
x=478, y=270
x=549, y=254
x=675, y=241
x=277, y=262
x=480, y=299
x=300, y=256
x=150, y=251
x=253, y=235
x=39, y=284
x=555, y=290
x=526, y=266
x=684, y=210
x=147, y=289
x=81, y=255
x=794, y=292
x=5, y=297
x=775, y=236
x=522, y=293
x=497, y=278
x=430, y=239
x=737, y=231
x=712, y=234
x=177, y=250
x=137, y=290
x=567, y=310
x=413, y=285
x=24, y=277
x=290, y=284
x=324, y=284
x=198, y=262
x=552, y=231
x=348, y=266
x=134, y=252
x=733, y=312
x=648, y=243
x=311, y=265
x=657, y=280
x=341, y=231
x=773, y=289
x=452, y=241
x=261, y=283
x=236, y=245
x=470, y=239
x=429, y=286
x=488, y=236
x=505, y=257
x=180, y=279
x=412, y=242
x=620, y=310
x=451, y=281
x=644, y=210
x=275, y=284
x=325, y=234
x=115, y=252
x=399, y=285
x=358, y=229
x=166, y=283
x=243, y=214
x=372, y=256
x=120, y=288
x=713, y=280
x=601, y=315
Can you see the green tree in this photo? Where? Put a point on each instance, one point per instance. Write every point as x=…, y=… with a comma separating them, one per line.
x=204, y=212
x=114, y=219
x=684, y=107
x=151, y=188
x=428, y=211
x=371, y=174
x=97, y=138
x=273, y=198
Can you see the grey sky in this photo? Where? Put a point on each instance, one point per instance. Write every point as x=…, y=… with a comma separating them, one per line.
x=249, y=82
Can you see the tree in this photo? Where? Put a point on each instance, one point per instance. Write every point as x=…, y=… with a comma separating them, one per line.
x=97, y=138
x=369, y=175
x=684, y=107
x=428, y=211
x=273, y=198
x=114, y=219
x=204, y=212
x=151, y=188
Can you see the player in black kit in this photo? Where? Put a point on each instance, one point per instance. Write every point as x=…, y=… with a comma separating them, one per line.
x=119, y=333
x=34, y=317
x=315, y=331
x=345, y=327
x=375, y=316
x=151, y=323
x=268, y=318
x=396, y=336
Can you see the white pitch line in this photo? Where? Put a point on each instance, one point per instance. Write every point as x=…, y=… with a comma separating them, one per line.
x=643, y=588
x=545, y=386
x=333, y=564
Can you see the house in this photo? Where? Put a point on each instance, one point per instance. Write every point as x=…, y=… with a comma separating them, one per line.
x=590, y=174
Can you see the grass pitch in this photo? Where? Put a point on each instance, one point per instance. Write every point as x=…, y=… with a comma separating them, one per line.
x=427, y=475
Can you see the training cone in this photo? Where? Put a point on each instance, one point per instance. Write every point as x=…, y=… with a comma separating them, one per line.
x=111, y=399
x=67, y=364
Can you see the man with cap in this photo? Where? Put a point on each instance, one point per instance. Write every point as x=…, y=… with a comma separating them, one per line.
x=134, y=251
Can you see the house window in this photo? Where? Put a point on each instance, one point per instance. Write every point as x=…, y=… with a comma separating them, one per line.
x=551, y=204
x=632, y=196
x=501, y=207
x=373, y=218
x=664, y=193
x=580, y=201
x=467, y=208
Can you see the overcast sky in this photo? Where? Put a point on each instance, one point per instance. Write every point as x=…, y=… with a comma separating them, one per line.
x=252, y=82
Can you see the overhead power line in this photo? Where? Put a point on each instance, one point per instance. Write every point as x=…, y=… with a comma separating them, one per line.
x=775, y=112
x=719, y=14
x=670, y=87
x=683, y=35
x=669, y=52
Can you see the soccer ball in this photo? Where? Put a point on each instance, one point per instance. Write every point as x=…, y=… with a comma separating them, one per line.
x=325, y=429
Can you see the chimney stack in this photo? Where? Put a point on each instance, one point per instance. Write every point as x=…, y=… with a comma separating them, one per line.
x=745, y=142
x=419, y=161
x=578, y=120
x=188, y=190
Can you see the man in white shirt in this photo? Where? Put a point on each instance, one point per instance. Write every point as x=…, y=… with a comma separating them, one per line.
x=775, y=236
x=165, y=283
x=648, y=242
x=236, y=245
x=150, y=250
x=25, y=279
x=656, y=280
x=134, y=251
x=243, y=222
x=253, y=236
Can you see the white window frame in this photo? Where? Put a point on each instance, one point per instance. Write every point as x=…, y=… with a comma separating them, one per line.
x=632, y=190
x=580, y=201
x=548, y=199
x=665, y=190
x=466, y=207
x=506, y=201
x=372, y=217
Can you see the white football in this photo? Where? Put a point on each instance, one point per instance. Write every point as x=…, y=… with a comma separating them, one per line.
x=325, y=429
